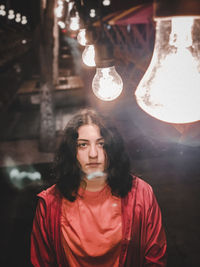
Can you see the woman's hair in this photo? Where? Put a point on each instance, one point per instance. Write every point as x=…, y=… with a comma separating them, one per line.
x=68, y=170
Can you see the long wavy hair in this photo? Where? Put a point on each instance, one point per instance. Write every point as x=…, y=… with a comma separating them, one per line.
x=67, y=169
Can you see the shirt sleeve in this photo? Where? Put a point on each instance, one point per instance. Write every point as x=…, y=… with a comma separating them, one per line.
x=42, y=252
x=155, y=249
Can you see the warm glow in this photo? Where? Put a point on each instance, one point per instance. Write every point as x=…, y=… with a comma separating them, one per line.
x=59, y=9
x=2, y=10
x=92, y=13
x=106, y=2
x=81, y=38
x=107, y=84
x=11, y=14
x=170, y=89
x=74, y=23
x=24, y=20
x=61, y=24
x=18, y=17
x=88, y=56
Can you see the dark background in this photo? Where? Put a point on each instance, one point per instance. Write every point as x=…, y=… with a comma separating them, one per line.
x=158, y=154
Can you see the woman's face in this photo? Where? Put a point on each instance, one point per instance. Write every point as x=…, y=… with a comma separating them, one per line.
x=90, y=149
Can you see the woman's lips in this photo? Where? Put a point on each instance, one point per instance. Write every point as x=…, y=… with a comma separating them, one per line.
x=93, y=164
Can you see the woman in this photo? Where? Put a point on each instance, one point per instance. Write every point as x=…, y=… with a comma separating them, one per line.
x=97, y=214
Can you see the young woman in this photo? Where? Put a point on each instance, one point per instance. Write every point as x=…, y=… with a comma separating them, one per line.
x=98, y=213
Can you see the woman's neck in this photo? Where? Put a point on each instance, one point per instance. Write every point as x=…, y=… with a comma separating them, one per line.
x=95, y=184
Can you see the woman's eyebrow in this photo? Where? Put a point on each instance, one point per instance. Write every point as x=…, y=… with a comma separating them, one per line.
x=101, y=138
x=86, y=140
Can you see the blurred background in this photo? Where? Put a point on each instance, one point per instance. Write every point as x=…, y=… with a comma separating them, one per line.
x=43, y=82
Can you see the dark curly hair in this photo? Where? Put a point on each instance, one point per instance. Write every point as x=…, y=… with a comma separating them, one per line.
x=67, y=168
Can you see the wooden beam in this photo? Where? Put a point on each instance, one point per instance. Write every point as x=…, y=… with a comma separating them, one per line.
x=139, y=36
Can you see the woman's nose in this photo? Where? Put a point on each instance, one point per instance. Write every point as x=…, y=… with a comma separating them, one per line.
x=93, y=151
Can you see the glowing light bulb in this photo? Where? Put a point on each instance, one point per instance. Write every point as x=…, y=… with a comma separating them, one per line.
x=107, y=84
x=2, y=10
x=81, y=38
x=59, y=9
x=24, y=20
x=88, y=56
x=170, y=88
x=74, y=23
x=11, y=14
x=18, y=17
x=92, y=13
x=61, y=24
x=106, y=2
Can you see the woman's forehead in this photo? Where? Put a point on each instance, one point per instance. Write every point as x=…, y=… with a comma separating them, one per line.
x=89, y=131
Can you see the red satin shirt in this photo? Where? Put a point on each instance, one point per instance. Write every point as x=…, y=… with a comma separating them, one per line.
x=143, y=238
x=91, y=229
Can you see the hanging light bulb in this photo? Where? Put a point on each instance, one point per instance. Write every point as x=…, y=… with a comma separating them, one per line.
x=11, y=14
x=24, y=20
x=74, y=23
x=81, y=37
x=170, y=88
x=59, y=9
x=107, y=85
x=2, y=10
x=61, y=24
x=92, y=13
x=106, y=2
x=89, y=55
x=18, y=17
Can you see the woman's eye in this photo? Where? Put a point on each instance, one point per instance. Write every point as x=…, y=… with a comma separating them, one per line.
x=82, y=145
x=101, y=144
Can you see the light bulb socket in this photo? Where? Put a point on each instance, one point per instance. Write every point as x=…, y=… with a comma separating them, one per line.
x=73, y=12
x=104, y=55
x=166, y=8
x=90, y=36
x=82, y=25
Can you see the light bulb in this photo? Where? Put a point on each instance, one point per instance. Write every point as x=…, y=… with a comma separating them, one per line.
x=2, y=7
x=59, y=9
x=92, y=13
x=74, y=23
x=11, y=14
x=106, y=2
x=18, y=17
x=24, y=20
x=107, y=84
x=88, y=56
x=61, y=24
x=2, y=12
x=81, y=38
x=170, y=88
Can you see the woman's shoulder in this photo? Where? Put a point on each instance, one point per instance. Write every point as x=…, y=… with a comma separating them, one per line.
x=141, y=187
x=50, y=194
